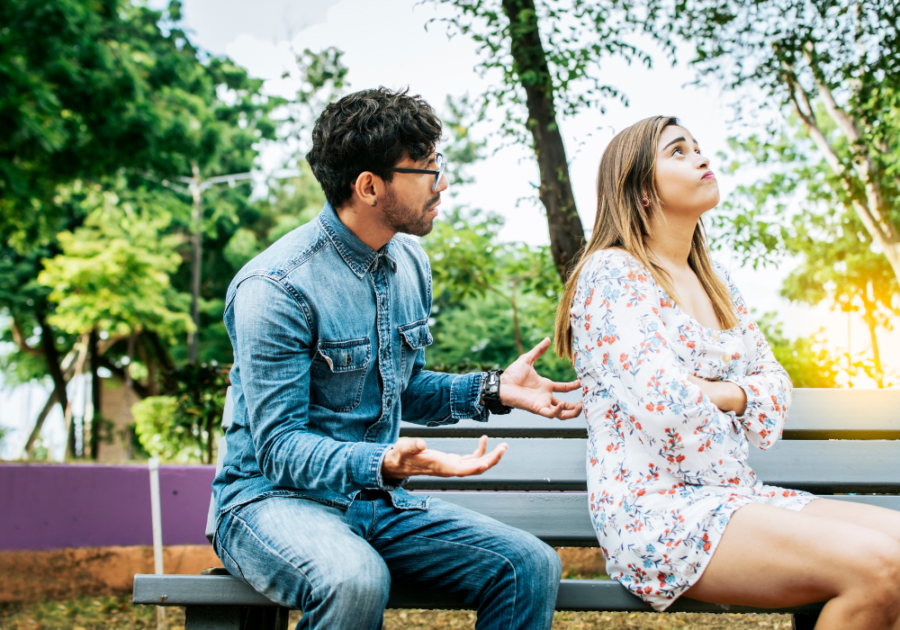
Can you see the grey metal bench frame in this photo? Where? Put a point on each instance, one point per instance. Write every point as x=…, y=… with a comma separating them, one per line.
x=837, y=441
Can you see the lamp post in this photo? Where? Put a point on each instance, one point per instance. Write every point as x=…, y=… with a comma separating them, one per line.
x=194, y=187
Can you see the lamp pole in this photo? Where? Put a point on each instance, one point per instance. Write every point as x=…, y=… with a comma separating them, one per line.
x=194, y=187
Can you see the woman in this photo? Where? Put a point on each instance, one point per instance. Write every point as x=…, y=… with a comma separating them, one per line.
x=678, y=383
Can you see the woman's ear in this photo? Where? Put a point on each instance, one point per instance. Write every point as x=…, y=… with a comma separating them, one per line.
x=645, y=198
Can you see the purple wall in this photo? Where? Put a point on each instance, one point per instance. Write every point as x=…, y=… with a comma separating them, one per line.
x=59, y=506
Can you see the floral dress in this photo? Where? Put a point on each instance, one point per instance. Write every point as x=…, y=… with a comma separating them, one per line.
x=666, y=468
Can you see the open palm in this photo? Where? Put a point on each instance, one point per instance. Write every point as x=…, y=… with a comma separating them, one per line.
x=523, y=388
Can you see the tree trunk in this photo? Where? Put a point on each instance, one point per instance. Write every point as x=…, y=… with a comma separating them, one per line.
x=39, y=423
x=517, y=332
x=51, y=355
x=530, y=63
x=96, y=397
x=871, y=324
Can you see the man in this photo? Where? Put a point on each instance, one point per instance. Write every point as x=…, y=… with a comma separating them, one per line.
x=329, y=328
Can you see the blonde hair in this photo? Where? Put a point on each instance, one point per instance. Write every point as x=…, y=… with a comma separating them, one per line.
x=625, y=178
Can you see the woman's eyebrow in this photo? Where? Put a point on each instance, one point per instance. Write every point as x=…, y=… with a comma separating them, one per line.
x=675, y=141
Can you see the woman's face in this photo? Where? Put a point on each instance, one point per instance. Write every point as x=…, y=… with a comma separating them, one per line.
x=685, y=184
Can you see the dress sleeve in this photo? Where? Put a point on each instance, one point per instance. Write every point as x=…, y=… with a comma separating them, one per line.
x=628, y=352
x=766, y=383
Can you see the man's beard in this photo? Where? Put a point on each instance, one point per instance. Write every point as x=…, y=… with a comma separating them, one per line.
x=406, y=220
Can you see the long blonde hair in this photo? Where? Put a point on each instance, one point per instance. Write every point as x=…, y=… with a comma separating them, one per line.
x=624, y=180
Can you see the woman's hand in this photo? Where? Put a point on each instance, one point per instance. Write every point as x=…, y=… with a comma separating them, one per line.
x=724, y=395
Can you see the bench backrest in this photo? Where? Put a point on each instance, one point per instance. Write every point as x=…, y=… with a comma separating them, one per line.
x=835, y=441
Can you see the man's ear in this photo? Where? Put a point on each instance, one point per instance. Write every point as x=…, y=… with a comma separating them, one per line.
x=368, y=187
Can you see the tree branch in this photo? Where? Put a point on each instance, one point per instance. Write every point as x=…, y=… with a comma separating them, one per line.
x=21, y=343
x=862, y=157
x=800, y=100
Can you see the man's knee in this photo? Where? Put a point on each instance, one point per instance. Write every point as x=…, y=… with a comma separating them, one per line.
x=529, y=556
x=360, y=583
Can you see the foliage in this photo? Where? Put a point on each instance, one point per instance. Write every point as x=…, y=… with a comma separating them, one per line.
x=184, y=426
x=113, y=272
x=577, y=36
x=806, y=360
x=831, y=66
x=797, y=212
x=547, y=57
x=493, y=300
x=109, y=115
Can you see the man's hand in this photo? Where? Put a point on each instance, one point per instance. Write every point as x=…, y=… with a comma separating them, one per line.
x=523, y=388
x=724, y=395
x=411, y=457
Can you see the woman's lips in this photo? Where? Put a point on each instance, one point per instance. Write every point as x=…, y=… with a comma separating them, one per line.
x=708, y=175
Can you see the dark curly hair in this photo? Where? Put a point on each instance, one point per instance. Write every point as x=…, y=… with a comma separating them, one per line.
x=370, y=130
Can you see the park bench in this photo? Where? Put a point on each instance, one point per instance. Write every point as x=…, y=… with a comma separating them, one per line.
x=843, y=444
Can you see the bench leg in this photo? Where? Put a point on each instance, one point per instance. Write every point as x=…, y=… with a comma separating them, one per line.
x=804, y=622
x=236, y=618
x=265, y=618
x=212, y=618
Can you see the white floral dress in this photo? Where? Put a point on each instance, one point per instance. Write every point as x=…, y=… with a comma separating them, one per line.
x=666, y=468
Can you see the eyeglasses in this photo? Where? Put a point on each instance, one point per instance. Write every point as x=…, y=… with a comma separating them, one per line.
x=438, y=161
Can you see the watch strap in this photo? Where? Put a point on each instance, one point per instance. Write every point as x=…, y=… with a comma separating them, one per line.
x=490, y=396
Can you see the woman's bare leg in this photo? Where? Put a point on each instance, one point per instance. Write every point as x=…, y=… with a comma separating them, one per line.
x=774, y=558
x=871, y=516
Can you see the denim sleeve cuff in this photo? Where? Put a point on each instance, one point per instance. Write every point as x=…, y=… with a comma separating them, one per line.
x=465, y=393
x=366, y=461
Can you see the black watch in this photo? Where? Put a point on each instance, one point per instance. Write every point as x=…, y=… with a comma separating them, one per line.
x=490, y=394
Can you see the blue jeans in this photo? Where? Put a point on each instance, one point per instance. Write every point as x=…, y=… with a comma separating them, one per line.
x=337, y=565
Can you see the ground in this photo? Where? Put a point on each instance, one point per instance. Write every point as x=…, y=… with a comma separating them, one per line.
x=118, y=613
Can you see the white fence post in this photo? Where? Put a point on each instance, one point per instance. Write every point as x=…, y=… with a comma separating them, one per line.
x=156, y=519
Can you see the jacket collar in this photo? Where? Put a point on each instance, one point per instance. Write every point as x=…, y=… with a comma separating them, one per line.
x=358, y=256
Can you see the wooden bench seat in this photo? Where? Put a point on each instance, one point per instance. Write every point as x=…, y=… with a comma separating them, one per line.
x=838, y=441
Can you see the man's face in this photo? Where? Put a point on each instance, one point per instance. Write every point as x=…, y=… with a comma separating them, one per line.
x=411, y=205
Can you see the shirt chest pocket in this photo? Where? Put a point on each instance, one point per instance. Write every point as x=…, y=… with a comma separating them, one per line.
x=413, y=338
x=338, y=373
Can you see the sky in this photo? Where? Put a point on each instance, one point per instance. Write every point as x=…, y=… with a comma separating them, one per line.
x=390, y=43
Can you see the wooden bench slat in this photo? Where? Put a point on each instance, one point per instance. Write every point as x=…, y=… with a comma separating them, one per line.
x=562, y=519
x=820, y=466
x=816, y=414
x=224, y=590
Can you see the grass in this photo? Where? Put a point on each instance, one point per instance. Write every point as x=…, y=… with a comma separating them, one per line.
x=118, y=613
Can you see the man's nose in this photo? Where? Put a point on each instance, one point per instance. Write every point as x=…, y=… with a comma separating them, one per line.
x=443, y=183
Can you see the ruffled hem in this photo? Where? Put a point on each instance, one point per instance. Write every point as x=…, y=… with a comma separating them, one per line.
x=663, y=594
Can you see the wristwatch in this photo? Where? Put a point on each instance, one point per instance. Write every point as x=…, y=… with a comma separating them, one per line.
x=490, y=394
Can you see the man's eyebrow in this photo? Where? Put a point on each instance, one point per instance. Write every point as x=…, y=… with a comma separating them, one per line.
x=428, y=159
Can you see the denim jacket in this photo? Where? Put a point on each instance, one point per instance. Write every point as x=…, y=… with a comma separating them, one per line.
x=329, y=342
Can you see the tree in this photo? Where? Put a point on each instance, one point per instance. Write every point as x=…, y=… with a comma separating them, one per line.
x=493, y=301
x=797, y=211
x=108, y=94
x=183, y=426
x=548, y=56
x=806, y=360
x=835, y=66
x=839, y=267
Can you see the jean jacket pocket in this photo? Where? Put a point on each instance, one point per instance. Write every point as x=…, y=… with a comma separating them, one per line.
x=339, y=370
x=414, y=338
